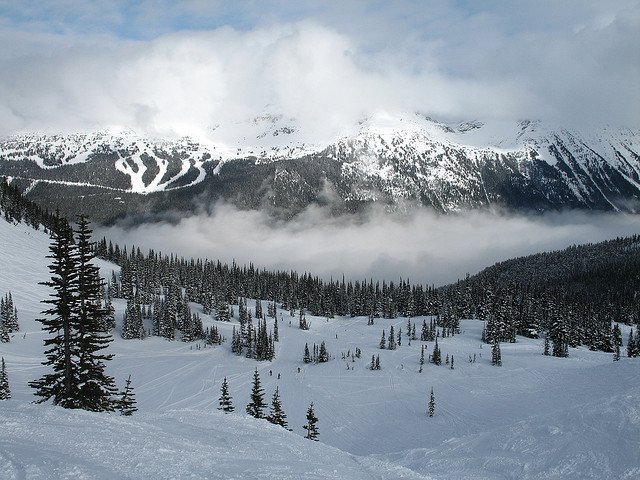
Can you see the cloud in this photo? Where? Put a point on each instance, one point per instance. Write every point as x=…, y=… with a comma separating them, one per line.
x=176, y=68
x=423, y=246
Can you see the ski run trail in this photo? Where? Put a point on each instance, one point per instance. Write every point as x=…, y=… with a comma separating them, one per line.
x=535, y=417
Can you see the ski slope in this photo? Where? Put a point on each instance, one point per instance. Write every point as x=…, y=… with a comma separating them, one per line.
x=535, y=417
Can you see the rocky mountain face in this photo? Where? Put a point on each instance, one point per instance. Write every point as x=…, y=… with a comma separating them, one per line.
x=398, y=161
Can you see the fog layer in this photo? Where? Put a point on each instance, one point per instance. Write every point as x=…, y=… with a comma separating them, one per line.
x=423, y=246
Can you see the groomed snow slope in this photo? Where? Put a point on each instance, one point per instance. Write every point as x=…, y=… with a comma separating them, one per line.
x=50, y=443
x=535, y=417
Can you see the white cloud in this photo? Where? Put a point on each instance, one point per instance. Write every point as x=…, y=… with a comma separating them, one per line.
x=424, y=246
x=325, y=66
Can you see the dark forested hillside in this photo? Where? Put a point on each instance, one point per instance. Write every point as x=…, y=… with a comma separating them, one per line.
x=604, y=273
x=14, y=207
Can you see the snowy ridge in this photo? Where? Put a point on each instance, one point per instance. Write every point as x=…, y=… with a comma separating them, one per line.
x=146, y=162
x=416, y=156
x=387, y=156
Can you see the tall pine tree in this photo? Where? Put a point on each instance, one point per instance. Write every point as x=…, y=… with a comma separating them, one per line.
x=225, y=400
x=127, y=403
x=97, y=388
x=63, y=384
x=277, y=415
x=75, y=320
x=432, y=403
x=256, y=405
x=5, y=391
x=496, y=356
x=311, y=425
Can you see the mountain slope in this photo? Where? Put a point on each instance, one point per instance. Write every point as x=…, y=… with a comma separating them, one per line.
x=50, y=442
x=521, y=420
x=395, y=160
x=606, y=274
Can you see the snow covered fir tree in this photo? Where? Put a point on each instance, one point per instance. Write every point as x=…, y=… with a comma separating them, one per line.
x=5, y=389
x=127, y=403
x=225, y=401
x=276, y=414
x=8, y=317
x=432, y=404
x=256, y=406
x=311, y=426
x=76, y=322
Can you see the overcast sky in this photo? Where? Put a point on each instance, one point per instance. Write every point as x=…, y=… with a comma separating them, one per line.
x=174, y=68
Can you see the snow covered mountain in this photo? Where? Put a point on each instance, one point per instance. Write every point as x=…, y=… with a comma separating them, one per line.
x=394, y=159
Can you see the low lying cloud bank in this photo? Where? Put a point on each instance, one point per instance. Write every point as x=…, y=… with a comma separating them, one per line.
x=422, y=246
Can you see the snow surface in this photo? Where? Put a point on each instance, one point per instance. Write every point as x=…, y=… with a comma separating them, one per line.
x=535, y=417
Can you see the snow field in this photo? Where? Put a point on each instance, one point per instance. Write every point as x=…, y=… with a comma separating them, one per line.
x=535, y=417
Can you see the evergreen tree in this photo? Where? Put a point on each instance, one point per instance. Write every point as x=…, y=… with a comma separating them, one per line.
x=256, y=405
x=436, y=356
x=276, y=335
x=97, y=388
x=127, y=404
x=311, y=425
x=378, y=367
x=277, y=415
x=616, y=353
x=302, y=321
x=5, y=391
x=432, y=403
x=75, y=319
x=4, y=332
x=424, y=335
x=559, y=336
x=496, y=356
x=271, y=309
x=132, y=324
x=249, y=341
x=631, y=345
x=451, y=362
x=383, y=341
x=307, y=355
x=63, y=385
x=547, y=346
x=236, y=342
x=258, y=309
x=225, y=400
x=391, y=344
x=617, y=335
x=222, y=311
x=9, y=314
x=109, y=319
x=323, y=355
